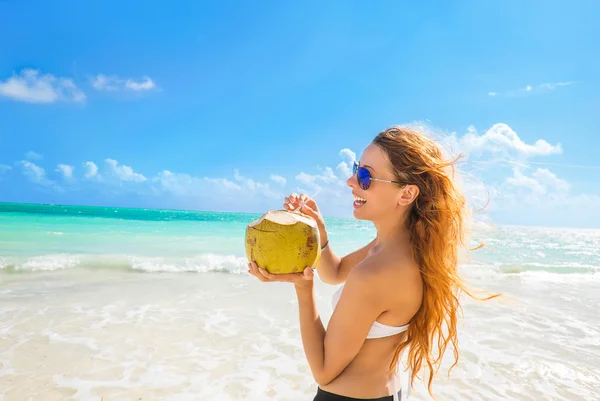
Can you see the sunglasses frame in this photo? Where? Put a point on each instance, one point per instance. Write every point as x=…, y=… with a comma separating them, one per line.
x=355, y=169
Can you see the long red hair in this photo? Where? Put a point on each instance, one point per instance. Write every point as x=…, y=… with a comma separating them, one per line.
x=437, y=222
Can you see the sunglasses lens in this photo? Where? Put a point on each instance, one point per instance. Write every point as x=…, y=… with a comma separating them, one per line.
x=364, y=178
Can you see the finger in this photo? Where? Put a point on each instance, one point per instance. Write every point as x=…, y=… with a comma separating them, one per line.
x=312, y=204
x=291, y=202
x=307, y=200
x=257, y=275
x=289, y=278
x=308, y=273
x=256, y=272
x=291, y=198
x=292, y=277
x=265, y=273
x=309, y=211
x=285, y=277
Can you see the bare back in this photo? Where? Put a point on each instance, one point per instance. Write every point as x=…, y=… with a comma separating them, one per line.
x=401, y=286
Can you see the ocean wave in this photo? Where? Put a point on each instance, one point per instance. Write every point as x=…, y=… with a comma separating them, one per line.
x=556, y=277
x=572, y=271
x=200, y=263
x=236, y=264
x=40, y=263
x=559, y=268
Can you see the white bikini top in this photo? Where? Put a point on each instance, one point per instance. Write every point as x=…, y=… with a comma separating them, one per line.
x=378, y=330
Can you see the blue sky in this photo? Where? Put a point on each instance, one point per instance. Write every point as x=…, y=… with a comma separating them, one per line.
x=231, y=106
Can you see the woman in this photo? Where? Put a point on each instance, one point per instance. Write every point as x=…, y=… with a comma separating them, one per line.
x=400, y=290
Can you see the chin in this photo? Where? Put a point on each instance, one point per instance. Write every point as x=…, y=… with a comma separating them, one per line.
x=359, y=214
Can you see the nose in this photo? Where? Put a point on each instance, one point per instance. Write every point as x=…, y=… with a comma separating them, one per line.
x=352, y=181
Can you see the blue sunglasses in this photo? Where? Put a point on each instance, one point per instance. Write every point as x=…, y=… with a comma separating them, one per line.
x=364, y=177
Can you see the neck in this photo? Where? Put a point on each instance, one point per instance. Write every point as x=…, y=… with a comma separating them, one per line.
x=390, y=231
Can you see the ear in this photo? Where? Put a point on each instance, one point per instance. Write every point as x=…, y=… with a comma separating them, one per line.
x=408, y=194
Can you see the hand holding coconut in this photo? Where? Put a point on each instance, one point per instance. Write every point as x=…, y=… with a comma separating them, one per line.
x=304, y=279
x=309, y=207
x=285, y=245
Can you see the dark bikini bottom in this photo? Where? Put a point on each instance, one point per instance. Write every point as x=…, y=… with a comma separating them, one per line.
x=323, y=395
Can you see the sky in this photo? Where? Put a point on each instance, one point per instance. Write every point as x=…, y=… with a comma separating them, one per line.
x=232, y=105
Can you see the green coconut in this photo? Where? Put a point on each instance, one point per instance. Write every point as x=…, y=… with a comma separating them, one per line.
x=283, y=242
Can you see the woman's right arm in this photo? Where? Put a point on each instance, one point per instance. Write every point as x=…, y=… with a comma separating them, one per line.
x=332, y=268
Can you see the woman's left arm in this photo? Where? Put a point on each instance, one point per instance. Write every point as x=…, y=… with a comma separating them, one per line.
x=330, y=351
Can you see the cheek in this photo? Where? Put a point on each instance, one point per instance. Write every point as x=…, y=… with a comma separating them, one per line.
x=382, y=200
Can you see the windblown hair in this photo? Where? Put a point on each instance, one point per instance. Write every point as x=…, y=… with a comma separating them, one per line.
x=438, y=225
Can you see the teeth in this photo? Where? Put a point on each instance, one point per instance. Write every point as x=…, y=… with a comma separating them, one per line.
x=356, y=198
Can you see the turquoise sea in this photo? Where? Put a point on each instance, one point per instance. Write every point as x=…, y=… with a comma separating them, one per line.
x=156, y=304
x=49, y=237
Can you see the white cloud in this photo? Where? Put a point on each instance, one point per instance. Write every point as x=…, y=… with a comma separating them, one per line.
x=534, y=89
x=278, y=179
x=144, y=85
x=332, y=193
x=306, y=179
x=344, y=170
x=183, y=185
x=555, y=85
x=66, y=170
x=34, y=172
x=113, y=83
x=540, y=188
x=4, y=168
x=550, y=179
x=315, y=181
x=255, y=187
x=544, y=199
x=327, y=176
x=30, y=86
x=516, y=192
x=520, y=180
x=501, y=138
x=223, y=183
x=102, y=82
x=31, y=155
x=347, y=155
x=37, y=175
x=554, y=209
x=123, y=172
x=217, y=193
x=91, y=170
x=178, y=184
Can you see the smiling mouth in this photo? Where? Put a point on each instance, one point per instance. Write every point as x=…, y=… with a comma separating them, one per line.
x=358, y=201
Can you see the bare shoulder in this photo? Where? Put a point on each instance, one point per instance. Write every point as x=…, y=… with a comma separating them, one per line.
x=388, y=275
